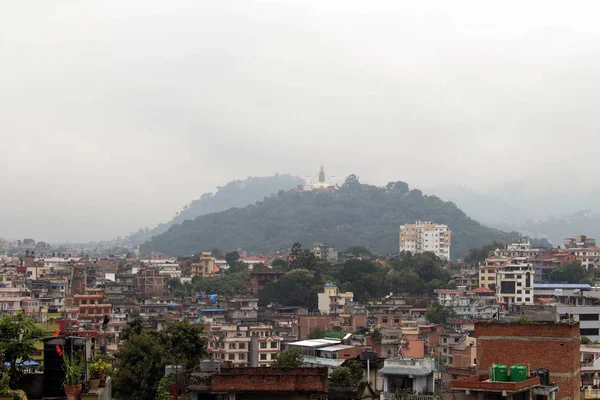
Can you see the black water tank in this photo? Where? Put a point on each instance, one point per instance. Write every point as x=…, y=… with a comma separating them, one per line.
x=54, y=375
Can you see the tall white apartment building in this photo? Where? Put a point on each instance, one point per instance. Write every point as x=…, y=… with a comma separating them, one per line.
x=424, y=236
x=514, y=282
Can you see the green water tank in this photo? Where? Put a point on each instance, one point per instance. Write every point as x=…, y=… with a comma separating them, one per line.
x=499, y=373
x=518, y=373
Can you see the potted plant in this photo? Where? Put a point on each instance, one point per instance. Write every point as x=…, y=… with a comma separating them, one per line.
x=5, y=390
x=99, y=369
x=73, y=367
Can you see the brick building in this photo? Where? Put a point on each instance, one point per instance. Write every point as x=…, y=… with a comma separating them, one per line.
x=554, y=346
x=271, y=383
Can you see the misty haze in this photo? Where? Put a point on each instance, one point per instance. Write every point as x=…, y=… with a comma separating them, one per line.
x=115, y=114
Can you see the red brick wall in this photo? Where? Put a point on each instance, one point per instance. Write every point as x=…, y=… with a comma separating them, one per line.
x=307, y=322
x=271, y=380
x=552, y=346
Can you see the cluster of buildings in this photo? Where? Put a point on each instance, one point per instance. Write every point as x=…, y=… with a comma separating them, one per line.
x=509, y=333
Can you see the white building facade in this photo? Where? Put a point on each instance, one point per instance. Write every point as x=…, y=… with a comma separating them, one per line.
x=514, y=282
x=424, y=236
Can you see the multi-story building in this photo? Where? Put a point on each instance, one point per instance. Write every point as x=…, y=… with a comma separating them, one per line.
x=11, y=298
x=426, y=236
x=205, y=266
x=332, y=301
x=150, y=283
x=579, y=242
x=243, y=346
x=521, y=249
x=324, y=252
x=514, y=282
x=487, y=271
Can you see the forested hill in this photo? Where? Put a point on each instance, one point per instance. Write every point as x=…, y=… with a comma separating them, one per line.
x=239, y=193
x=357, y=214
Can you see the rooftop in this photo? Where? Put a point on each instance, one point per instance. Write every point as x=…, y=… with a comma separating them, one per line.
x=316, y=342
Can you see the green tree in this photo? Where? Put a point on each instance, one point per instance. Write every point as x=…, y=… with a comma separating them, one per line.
x=289, y=358
x=571, y=273
x=141, y=364
x=296, y=287
x=185, y=343
x=438, y=314
x=586, y=340
x=316, y=333
x=18, y=335
x=232, y=258
x=164, y=387
x=134, y=326
x=340, y=376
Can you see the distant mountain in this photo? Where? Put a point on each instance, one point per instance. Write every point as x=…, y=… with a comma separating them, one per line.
x=239, y=193
x=357, y=214
x=556, y=229
x=487, y=209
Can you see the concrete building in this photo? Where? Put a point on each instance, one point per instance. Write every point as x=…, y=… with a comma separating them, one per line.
x=412, y=374
x=424, y=236
x=332, y=302
x=487, y=271
x=244, y=346
x=206, y=266
x=514, y=282
x=324, y=252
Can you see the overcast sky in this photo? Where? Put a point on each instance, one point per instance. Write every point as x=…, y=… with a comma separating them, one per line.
x=114, y=114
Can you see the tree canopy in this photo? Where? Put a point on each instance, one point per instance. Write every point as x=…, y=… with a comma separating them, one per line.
x=356, y=215
x=18, y=335
x=142, y=359
x=289, y=358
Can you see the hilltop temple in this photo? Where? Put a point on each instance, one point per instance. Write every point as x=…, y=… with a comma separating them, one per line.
x=320, y=182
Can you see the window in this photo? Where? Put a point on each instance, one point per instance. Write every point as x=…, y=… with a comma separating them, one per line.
x=242, y=356
x=396, y=320
x=384, y=321
x=527, y=292
x=231, y=357
x=242, y=345
x=263, y=345
x=232, y=345
x=589, y=331
x=518, y=299
x=588, y=317
x=519, y=291
x=273, y=345
x=263, y=356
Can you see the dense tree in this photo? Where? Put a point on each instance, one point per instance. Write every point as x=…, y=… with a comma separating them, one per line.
x=141, y=364
x=479, y=255
x=238, y=193
x=316, y=333
x=232, y=284
x=232, y=258
x=347, y=376
x=134, y=326
x=142, y=359
x=295, y=288
x=289, y=358
x=571, y=273
x=18, y=335
x=358, y=214
x=438, y=314
x=185, y=343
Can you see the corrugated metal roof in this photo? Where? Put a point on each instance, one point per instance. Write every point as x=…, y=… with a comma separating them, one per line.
x=582, y=286
x=416, y=370
x=336, y=348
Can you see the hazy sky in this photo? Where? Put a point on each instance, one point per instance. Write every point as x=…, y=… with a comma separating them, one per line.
x=114, y=114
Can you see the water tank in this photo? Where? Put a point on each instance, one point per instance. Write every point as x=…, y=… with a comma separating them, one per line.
x=518, y=373
x=499, y=373
x=54, y=375
x=544, y=374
